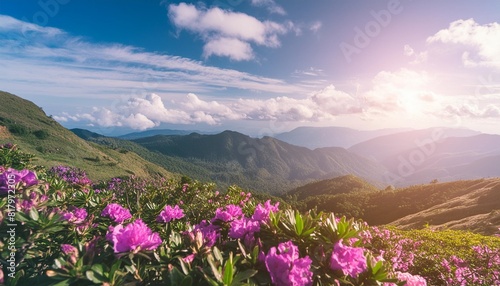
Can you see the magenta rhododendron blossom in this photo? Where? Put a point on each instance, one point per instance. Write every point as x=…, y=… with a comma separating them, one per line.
x=75, y=215
x=241, y=227
x=203, y=234
x=261, y=212
x=11, y=179
x=134, y=237
x=68, y=249
x=350, y=260
x=411, y=280
x=116, y=212
x=286, y=268
x=71, y=175
x=170, y=213
x=231, y=212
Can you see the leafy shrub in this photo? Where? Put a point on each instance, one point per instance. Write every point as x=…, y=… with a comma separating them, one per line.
x=41, y=134
x=18, y=129
x=137, y=231
x=12, y=157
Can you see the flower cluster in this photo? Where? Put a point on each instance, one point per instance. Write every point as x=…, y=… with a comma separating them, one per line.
x=458, y=271
x=285, y=266
x=351, y=260
x=116, y=213
x=33, y=200
x=170, y=213
x=227, y=214
x=11, y=179
x=75, y=215
x=411, y=280
x=71, y=175
x=134, y=237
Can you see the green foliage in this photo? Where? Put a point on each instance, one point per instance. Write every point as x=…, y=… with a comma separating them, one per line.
x=12, y=157
x=18, y=129
x=41, y=134
x=55, y=251
x=35, y=132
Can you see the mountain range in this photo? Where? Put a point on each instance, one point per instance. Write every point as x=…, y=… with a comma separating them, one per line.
x=349, y=181
x=332, y=136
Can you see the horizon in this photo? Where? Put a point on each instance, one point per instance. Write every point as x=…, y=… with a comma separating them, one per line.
x=257, y=67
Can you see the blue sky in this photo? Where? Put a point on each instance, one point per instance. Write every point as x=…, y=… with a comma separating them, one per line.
x=257, y=66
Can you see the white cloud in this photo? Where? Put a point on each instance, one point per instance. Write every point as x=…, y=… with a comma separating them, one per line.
x=67, y=66
x=270, y=5
x=232, y=48
x=401, y=91
x=149, y=111
x=472, y=111
x=408, y=51
x=315, y=27
x=481, y=42
x=218, y=27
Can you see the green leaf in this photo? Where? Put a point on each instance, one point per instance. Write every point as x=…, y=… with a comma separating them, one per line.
x=245, y=275
x=187, y=281
x=299, y=223
x=228, y=272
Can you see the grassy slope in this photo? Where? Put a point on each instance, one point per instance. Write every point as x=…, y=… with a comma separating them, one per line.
x=25, y=124
x=472, y=205
x=335, y=186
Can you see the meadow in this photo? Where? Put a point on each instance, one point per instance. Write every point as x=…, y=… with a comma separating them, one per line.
x=58, y=227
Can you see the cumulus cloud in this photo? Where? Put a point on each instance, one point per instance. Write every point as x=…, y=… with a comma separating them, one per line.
x=403, y=90
x=150, y=111
x=325, y=104
x=481, y=42
x=219, y=27
x=146, y=112
x=228, y=47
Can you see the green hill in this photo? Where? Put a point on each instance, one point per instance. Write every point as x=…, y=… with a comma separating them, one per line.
x=472, y=205
x=265, y=164
x=339, y=185
x=25, y=124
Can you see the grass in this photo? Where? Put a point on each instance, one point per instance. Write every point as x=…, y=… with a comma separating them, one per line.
x=25, y=124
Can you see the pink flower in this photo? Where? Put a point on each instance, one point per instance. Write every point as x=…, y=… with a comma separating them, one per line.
x=189, y=258
x=241, y=227
x=116, y=212
x=70, y=251
x=134, y=237
x=232, y=212
x=204, y=235
x=11, y=179
x=350, y=260
x=411, y=280
x=168, y=214
x=261, y=212
x=286, y=268
x=75, y=215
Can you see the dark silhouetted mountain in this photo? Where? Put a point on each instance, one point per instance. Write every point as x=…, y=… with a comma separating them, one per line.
x=154, y=132
x=317, y=137
x=86, y=134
